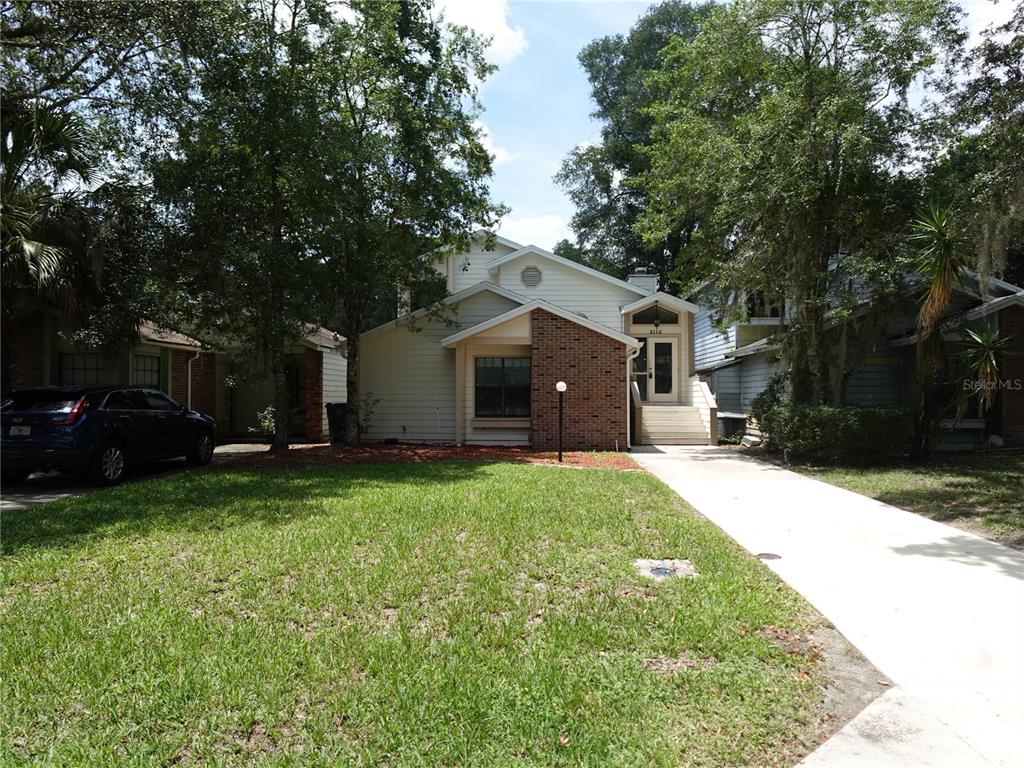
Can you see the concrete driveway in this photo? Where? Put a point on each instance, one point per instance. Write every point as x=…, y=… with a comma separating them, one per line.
x=49, y=486
x=938, y=610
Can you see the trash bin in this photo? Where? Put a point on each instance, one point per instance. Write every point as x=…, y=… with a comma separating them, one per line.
x=337, y=414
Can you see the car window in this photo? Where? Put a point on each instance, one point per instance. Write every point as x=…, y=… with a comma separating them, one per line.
x=41, y=400
x=125, y=400
x=157, y=402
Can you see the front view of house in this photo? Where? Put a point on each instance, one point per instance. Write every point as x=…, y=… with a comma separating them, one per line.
x=482, y=369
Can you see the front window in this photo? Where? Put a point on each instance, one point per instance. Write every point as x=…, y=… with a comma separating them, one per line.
x=502, y=387
x=655, y=315
x=146, y=370
x=83, y=368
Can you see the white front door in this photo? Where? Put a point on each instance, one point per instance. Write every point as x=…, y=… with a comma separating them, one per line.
x=656, y=369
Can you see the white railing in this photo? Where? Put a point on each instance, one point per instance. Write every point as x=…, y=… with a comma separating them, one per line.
x=706, y=406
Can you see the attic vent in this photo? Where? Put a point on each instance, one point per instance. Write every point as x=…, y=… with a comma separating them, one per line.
x=531, y=277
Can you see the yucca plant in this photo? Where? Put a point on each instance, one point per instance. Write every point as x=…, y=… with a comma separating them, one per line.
x=981, y=364
x=942, y=261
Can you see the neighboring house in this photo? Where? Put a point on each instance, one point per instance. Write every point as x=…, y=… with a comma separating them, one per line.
x=41, y=355
x=482, y=366
x=738, y=361
x=316, y=372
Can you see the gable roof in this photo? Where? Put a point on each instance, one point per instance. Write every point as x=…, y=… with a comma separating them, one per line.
x=324, y=338
x=673, y=302
x=512, y=314
x=454, y=298
x=151, y=333
x=523, y=250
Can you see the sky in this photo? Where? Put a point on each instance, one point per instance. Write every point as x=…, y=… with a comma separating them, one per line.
x=537, y=106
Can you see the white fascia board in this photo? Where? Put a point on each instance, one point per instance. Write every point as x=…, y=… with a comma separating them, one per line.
x=494, y=264
x=668, y=300
x=512, y=314
x=455, y=298
x=982, y=310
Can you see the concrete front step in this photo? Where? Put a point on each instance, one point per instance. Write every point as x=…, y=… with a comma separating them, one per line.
x=672, y=425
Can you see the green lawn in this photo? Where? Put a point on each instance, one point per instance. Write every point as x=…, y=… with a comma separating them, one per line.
x=467, y=614
x=983, y=492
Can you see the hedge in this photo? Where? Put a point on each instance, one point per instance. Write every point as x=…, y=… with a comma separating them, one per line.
x=839, y=434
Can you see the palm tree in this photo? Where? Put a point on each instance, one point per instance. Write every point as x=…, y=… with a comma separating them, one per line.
x=942, y=261
x=981, y=360
x=42, y=151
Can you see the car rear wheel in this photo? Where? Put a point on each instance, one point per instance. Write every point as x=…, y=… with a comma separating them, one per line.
x=110, y=464
x=202, y=450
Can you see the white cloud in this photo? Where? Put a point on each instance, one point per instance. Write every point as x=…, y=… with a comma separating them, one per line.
x=500, y=154
x=489, y=18
x=543, y=230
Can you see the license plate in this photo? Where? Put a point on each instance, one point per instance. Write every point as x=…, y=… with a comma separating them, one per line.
x=19, y=431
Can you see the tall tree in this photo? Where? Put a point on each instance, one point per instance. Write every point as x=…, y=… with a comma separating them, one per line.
x=597, y=177
x=324, y=155
x=74, y=76
x=979, y=164
x=236, y=186
x=403, y=144
x=785, y=126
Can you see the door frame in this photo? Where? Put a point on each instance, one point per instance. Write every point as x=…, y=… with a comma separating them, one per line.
x=673, y=394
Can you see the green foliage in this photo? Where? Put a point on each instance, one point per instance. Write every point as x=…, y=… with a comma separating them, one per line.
x=597, y=177
x=977, y=162
x=765, y=402
x=777, y=127
x=981, y=360
x=265, y=421
x=840, y=434
x=325, y=156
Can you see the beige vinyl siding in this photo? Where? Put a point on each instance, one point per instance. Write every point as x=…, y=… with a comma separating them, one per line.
x=413, y=376
x=335, y=388
x=568, y=288
x=489, y=435
x=468, y=269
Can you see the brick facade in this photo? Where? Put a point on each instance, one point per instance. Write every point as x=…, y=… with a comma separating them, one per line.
x=204, y=380
x=594, y=368
x=1011, y=327
x=26, y=356
x=314, y=395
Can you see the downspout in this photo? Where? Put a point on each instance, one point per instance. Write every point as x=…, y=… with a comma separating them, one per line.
x=188, y=384
x=629, y=397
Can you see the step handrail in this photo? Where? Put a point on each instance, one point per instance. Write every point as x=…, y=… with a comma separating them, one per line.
x=707, y=407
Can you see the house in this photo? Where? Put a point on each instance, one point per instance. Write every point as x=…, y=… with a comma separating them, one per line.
x=481, y=367
x=221, y=383
x=739, y=360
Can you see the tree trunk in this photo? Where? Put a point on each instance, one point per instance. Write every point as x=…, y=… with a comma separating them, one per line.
x=282, y=405
x=353, y=395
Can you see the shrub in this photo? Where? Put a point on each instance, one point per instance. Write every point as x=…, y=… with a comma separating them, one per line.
x=771, y=397
x=840, y=434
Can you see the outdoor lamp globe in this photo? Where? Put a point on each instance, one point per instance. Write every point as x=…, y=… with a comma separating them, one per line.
x=561, y=386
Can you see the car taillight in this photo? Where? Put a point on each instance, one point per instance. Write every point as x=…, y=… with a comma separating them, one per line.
x=74, y=413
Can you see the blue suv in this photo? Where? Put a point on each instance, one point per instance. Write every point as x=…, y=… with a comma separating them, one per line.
x=97, y=430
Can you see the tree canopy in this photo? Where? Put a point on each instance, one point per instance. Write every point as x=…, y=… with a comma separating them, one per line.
x=785, y=128
x=597, y=177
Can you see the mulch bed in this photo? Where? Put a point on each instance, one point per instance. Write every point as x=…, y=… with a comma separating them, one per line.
x=321, y=455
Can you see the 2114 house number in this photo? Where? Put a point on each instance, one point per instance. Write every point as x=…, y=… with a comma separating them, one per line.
x=654, y=332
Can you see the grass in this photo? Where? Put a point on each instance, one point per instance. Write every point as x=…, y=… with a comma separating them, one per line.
x=463, y=613
x=983, y=492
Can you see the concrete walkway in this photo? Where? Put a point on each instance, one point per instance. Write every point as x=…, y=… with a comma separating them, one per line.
x=938, y=610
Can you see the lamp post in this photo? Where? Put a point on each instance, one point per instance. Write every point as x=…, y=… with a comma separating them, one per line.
x=561, y=387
